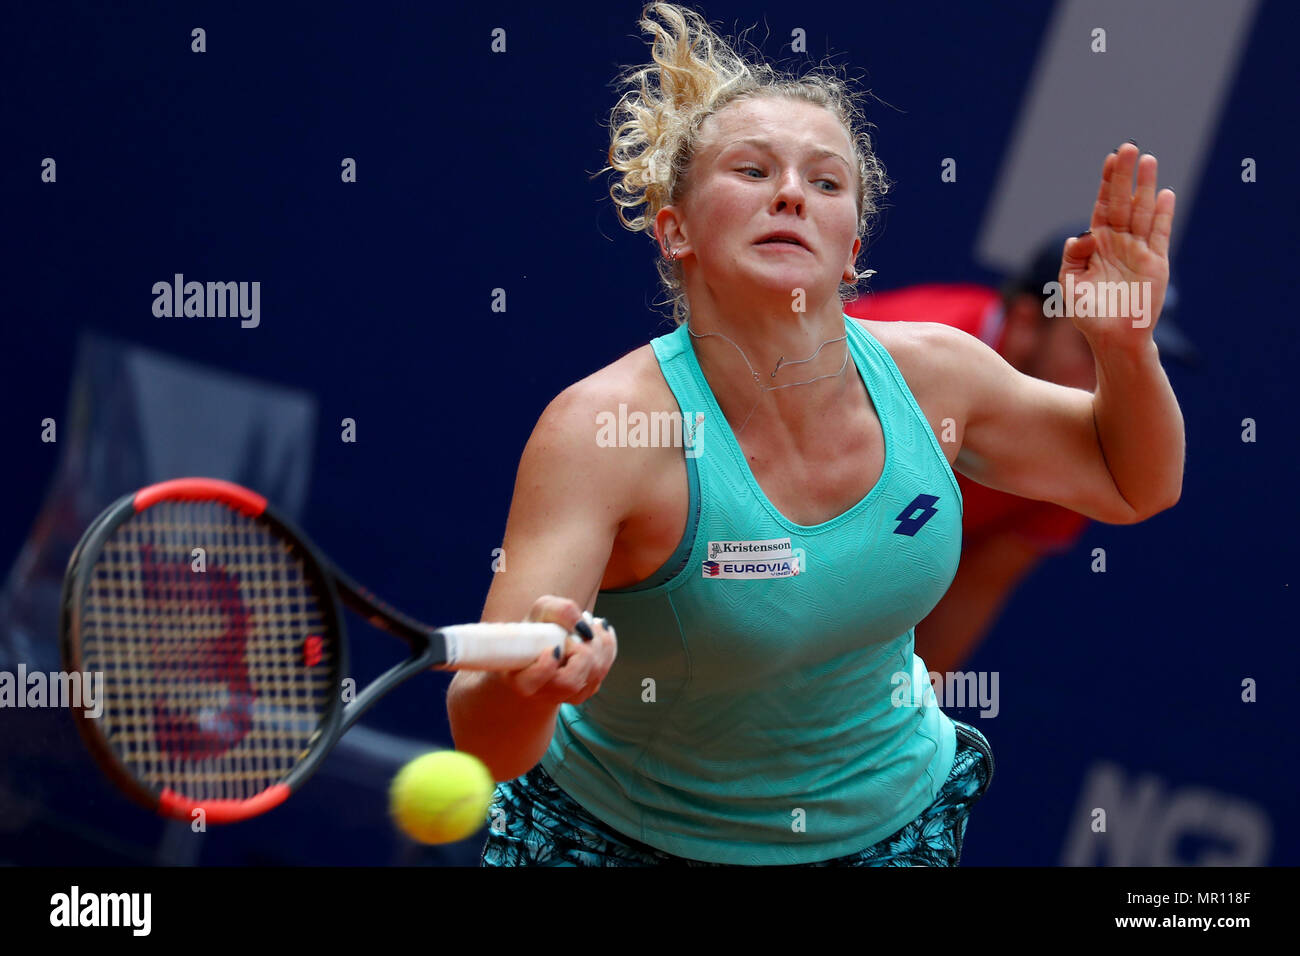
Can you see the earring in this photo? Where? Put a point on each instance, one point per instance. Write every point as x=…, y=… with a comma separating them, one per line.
x=668, y=253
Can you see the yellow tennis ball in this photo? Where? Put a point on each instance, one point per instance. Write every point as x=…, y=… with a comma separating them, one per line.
x=441, y=797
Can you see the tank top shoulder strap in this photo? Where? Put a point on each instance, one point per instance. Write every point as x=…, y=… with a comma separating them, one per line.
x=675, y=367
x=889, y=388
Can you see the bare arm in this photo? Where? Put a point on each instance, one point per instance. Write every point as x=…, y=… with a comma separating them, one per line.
x=1139, y=426
x=1115, y=455
x=567, y=507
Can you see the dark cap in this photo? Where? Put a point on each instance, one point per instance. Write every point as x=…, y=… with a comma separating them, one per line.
x=1045, y=267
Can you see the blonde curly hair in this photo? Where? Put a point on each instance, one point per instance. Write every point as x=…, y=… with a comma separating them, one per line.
x=655, y=126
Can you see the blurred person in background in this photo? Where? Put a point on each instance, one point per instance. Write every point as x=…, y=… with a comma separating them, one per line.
x=1004, y=537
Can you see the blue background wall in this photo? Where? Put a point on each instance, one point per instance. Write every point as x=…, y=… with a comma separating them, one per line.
x=474, y=173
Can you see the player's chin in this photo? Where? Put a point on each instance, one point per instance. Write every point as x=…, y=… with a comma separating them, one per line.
x=785, y=277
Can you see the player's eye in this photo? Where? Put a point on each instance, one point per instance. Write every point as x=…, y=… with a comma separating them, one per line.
x=745, y=170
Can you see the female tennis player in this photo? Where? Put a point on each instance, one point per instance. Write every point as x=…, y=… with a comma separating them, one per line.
x=761, y=703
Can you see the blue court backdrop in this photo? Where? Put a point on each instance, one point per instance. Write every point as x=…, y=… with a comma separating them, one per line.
x=1121, y=690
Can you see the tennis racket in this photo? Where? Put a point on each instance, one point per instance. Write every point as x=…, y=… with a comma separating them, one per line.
x=217, y=627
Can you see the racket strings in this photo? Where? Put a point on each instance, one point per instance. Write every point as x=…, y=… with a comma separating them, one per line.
x=206, y=688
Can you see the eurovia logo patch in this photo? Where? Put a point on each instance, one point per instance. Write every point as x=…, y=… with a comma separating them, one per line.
x=750, y=560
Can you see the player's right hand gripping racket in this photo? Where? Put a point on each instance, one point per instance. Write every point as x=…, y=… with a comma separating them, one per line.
x=224, y=667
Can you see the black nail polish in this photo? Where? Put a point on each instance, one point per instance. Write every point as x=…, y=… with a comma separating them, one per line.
x=1086, y=232
x=583, y=628
x=1114, y=151
x=604, y=622
x=1133, y=141
x=557, y=653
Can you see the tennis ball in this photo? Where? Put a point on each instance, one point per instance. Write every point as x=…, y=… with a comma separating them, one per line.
x=441, y=797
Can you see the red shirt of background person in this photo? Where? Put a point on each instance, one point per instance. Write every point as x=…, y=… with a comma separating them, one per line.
x=1003, y=536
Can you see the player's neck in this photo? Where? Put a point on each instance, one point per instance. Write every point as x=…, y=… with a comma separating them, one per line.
x=739, y=349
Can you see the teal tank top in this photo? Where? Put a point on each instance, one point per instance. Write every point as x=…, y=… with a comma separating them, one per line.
x=766, y=706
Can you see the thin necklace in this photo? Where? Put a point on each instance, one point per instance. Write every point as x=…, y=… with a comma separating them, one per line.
x=780, y=361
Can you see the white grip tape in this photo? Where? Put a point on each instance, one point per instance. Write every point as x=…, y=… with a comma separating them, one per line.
x=500, y=647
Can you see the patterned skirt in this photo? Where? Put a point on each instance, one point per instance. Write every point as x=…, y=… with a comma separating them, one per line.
x=532, y=822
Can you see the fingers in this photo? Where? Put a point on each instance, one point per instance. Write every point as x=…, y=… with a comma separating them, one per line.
x=1143, y=213
x=1114, y=206
x=1162, y=223
x=536, y=675
x=1118, y=206
x=1099, y=216
x=581, y=674
x=1144, y=204
x=578, y=675
x=1077, y=251
x=553, y=610
x=602, y=652
x=1119, y=195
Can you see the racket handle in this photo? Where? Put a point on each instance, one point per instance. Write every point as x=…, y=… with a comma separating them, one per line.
x=501, y=647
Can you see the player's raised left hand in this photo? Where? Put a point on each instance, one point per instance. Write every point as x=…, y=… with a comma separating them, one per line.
x=1128, y=242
